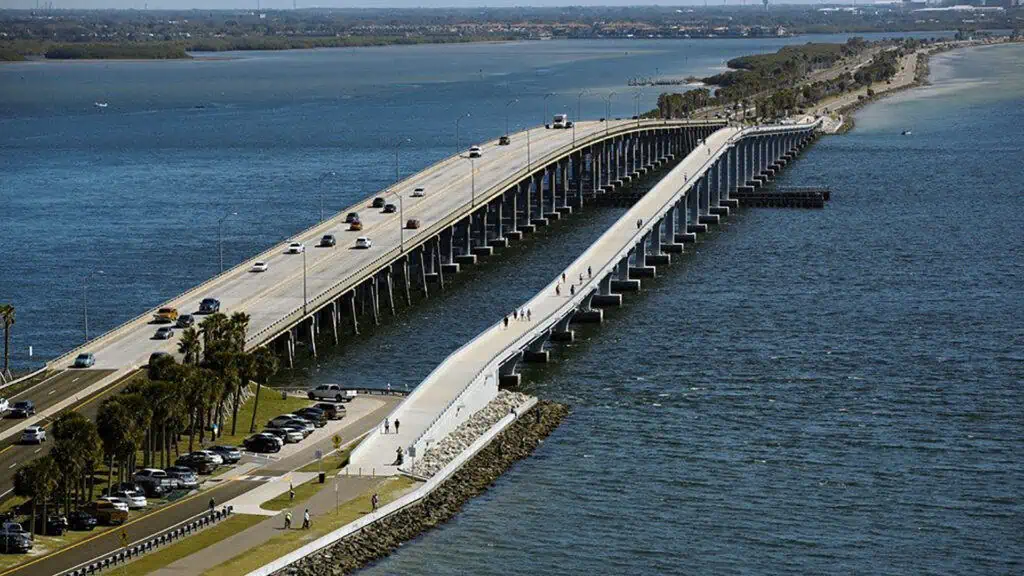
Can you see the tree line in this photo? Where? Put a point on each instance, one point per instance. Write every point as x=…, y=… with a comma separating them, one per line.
x=151, y=415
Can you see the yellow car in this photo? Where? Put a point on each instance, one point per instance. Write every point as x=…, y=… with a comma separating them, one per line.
x=357, y=225
x=165, y=315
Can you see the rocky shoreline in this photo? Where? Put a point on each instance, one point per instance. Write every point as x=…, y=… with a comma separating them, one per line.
x=381, y=538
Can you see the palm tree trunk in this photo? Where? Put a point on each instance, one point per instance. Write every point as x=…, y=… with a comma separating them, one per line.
x=110, y=471
x=33, y=528
x=7, y=345
x=234, y=410
x=255, y=407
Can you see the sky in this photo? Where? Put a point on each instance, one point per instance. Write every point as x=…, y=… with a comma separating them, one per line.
x=282, y=4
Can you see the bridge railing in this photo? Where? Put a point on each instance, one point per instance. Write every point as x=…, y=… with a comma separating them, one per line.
x=545, y=323
x=354, y=279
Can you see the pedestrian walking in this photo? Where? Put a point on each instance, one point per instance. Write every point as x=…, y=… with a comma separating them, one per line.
x=305, y=520
x=572, y=290
x=563, y=276
x=581, y=278
x=387, y=426
x=506, y=322
x=529, y=315
x=396, y=425
x=213, y=505
x=589, y=273
x=639, y=223
x=288, y=520
x=291, y=491
x=558, y=291
x=374, y=501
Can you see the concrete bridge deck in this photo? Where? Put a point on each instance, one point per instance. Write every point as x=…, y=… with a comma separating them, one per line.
x=469, y=377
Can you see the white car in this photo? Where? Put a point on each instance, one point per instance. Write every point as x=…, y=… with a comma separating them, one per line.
x=156, y=477
x=33, y=435
x=288, y=434
x=4, y=405
x=363, y=242
x=296, y=248
x=134, y=500
x=419, y=193
x=259, y=266
x=211, y=456
x=119, y=503
x=474, y=152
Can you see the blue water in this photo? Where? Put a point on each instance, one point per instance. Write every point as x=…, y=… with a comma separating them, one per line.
x=808, y=391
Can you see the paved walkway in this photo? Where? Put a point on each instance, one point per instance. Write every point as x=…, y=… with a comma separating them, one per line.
x=324, y=501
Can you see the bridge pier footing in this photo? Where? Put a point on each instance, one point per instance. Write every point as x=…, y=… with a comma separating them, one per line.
x=608, y=300
x=591, y=316
x=658, y=259
x=563, y=335
x=642, y=272
x=672, y=248
x=536, y=356
x=621, y=286
x=708, y=219
x=466, y=259
x=686, y=237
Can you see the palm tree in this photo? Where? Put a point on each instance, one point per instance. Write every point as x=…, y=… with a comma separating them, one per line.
x=213, y=328
x=265, y=365
x=7, y=315
x=246, y=370
x=76, y=450
x=190, y=346
x=115, y=422
x=37, y=480
x=239, y=324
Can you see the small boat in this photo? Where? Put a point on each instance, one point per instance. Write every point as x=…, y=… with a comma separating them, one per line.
x=906, y=133
x=100, y=104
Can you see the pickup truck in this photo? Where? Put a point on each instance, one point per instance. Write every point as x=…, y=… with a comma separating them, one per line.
x=331, y=392
x=14, y=538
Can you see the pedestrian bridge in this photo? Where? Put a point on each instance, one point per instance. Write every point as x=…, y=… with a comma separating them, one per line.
x=696, y=193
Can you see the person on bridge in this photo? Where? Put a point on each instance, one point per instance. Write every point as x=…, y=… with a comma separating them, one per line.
x=506, y=322
x=639, y=223
x=529, y=315
x=396, y=425
x=213, y=504
x=399, y=457
x=387, y=426
x=590, y=274
x=558, y=290
x=305, y=520
x=572, y=290
x=374, y=502
x=288, y=520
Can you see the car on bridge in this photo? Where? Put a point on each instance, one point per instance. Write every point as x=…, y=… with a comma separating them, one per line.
x=166, y=315
x=4, y=405
x=412, y=224
x=363, y=242
x=355, y=226
x=504, y=141
x=185, y=321
x=475, y=152
x=390, y=209
x=164, y=333
x=84, y=360
x=419, y=192
x=259, y=266
x=296, y=248
x=328, y=241
x=23, y=409
x=209, y=306
x=351, y=217
x=378, y=202
x=33, y=435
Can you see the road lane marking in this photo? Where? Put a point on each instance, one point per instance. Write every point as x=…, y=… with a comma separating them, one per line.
x=76, y=379
x=51, y=391
x=12, y=465
x=38, y=450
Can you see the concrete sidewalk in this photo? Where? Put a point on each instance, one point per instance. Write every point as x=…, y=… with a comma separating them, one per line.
x=324, y=501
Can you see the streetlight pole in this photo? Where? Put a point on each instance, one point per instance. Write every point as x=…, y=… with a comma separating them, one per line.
x=472, y=179
x=85, y=301
x=636, y=99
x=220, y=236
x=608, y=110
x=303, y=280
x=546, y=96
x=528, y=161
x=320, y=184
x=401, y=225
x=459, y=119
x=397, y=145
x=579, y=98
x=509, y=104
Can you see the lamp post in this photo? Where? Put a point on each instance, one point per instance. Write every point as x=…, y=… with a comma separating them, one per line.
x=636, y=99
x=397, y=145
x=401, y=225
x=507, y=106
x=472, y=179
x=303, y=280
x=546, y=96
x=457, y=120
x=220, y=236
x=528, y=161
x=608, y=110
x=320, y=184
x=85, y=301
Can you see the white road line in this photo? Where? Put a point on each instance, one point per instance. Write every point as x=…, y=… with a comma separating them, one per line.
x=38, y=450
x=51, y=391
x=76, y=379
x=12, y=465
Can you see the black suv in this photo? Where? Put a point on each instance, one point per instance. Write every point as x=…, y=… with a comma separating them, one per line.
x=79, y=520
x=314, y=415
x=328, y=241
x=260, y=443
x=351, y=217
x=209, y=306
x=390, y=209
x=23, y=409
x=378, y=202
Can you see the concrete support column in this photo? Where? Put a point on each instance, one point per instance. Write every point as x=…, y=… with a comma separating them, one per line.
x=422, y=257
x=352, y=311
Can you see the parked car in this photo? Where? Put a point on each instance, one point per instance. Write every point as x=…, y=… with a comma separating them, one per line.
x=296, y=248
x=115, y=501
x=280, y=420
x=4, y=405
x=259, y=266
x=107, y=513
x=33, y=435
x=328, y=241
x=14, y=538
x=209, y=306
x=363, y=242
x=356, y=225
x=209, y=455
x=197, y=463
x=155, y=356
x=300, y=423
x=166, y=315
x=134, y=500
x=164, y=333
x=475, y=152
x=390, y=209
x=351, y=217
x=326, y=392
x=262, y=443
x=412, y=224
x=85, y=360
x=185, y=321
x=504, y=141
x=23, y=409
x=419, y=193
x=81, y=520
x=314, y=415
x=378, y=202
x=229, y=454
x=55, y=525
x=154, y=480
x=332, y=411
x=184, y=476
x=288, y=435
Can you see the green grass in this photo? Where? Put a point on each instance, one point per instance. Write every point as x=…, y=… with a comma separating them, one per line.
x=303, y=492
x=45, y=545
x=183, y=548
x=334, y=461
x=388, y=490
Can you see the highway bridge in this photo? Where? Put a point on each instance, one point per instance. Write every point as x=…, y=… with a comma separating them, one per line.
x=692, y=196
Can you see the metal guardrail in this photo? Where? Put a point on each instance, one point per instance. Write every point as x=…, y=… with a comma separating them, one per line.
x=545, y=323
x=133, y=551
x=354, y=279
x=9, y=383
